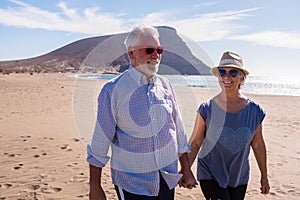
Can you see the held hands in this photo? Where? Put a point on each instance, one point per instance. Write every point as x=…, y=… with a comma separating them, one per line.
x=187, y=180
x=265, y=188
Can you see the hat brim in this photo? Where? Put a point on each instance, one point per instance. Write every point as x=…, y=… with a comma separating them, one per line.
x=214, y=70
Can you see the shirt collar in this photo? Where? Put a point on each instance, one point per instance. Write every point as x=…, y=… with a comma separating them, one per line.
x=139, y=77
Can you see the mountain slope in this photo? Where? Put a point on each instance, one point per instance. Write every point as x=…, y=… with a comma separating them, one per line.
x=108, y=54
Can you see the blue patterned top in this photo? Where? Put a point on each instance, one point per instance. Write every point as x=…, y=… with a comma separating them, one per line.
x=224, y=154
x=142, y=124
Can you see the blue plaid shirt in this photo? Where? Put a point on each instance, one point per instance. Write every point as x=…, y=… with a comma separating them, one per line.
x=142, y=124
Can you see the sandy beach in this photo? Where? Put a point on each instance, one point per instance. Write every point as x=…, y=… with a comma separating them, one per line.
x=42, y=148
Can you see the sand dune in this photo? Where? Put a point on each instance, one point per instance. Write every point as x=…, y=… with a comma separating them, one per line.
x=43, y=149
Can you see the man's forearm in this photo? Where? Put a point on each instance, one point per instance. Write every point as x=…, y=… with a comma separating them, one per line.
x=95, y=176
x=183, y=159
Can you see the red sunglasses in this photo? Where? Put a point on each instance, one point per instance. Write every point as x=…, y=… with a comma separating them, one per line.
x=150, y=49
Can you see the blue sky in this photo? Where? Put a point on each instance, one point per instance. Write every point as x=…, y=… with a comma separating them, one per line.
x=265, y=33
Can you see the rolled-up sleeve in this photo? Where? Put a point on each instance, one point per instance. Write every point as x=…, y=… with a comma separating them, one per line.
x=104, y=131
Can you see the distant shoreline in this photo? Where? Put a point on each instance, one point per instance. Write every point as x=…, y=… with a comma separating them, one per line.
x=258, y=85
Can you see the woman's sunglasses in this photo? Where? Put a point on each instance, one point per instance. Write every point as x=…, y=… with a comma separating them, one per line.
x=232, y=72
x=150, y=49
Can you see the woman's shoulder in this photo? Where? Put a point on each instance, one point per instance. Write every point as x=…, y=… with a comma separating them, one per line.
x=256, y=106
x=253, y=103
x=207, y=103
x=205, y=106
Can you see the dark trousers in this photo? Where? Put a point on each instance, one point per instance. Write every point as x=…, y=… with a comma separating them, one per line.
x=164, y=193
x=212, y=191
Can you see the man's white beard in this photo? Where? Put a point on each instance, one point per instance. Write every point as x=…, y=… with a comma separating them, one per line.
x=148, y=69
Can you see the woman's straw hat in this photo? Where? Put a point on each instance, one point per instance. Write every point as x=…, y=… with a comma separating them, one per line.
x=230, y=59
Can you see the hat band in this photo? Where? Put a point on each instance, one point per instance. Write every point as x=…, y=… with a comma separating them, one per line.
x=230, y=61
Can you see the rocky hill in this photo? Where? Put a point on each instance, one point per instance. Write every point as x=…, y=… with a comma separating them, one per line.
x=107, y=54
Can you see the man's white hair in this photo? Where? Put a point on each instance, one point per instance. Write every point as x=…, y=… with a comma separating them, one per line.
x=139, y=32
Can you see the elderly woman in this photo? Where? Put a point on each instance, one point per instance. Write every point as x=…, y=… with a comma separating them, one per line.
x=225, y=128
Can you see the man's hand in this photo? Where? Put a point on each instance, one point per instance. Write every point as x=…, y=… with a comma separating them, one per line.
x=96, y=190
x=97, y=193
x=187, y=180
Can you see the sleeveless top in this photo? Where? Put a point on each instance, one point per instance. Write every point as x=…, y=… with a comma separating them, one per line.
x=224, y=154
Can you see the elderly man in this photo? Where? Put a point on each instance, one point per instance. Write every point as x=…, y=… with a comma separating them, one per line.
x=139, y=118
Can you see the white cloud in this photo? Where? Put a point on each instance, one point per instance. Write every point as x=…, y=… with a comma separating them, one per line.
x=202, y=27
x=26, y=16
x=272, y=38
x=69, y=12
x=212, y=26
x=206, y=4
x=154, y=19
x=90, y=21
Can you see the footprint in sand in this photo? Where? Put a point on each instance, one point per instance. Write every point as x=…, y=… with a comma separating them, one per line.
x=81, y=177
x=11, y=154
x=82, y=195
x=66, y=147
x=72, y=164
x=7, y=185
x=46, y=138
x=57, y=189
x=290, y=188
x=25, y=137
x=273, y=194
x=48, y=190
x=45, y=190
x=18, y=166
x=34, y=187
x=43, y=153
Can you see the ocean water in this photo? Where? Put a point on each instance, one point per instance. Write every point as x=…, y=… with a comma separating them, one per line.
x=266, y=85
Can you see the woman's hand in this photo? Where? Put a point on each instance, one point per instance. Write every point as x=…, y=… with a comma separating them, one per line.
x=265, y=187
x=187, y=180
